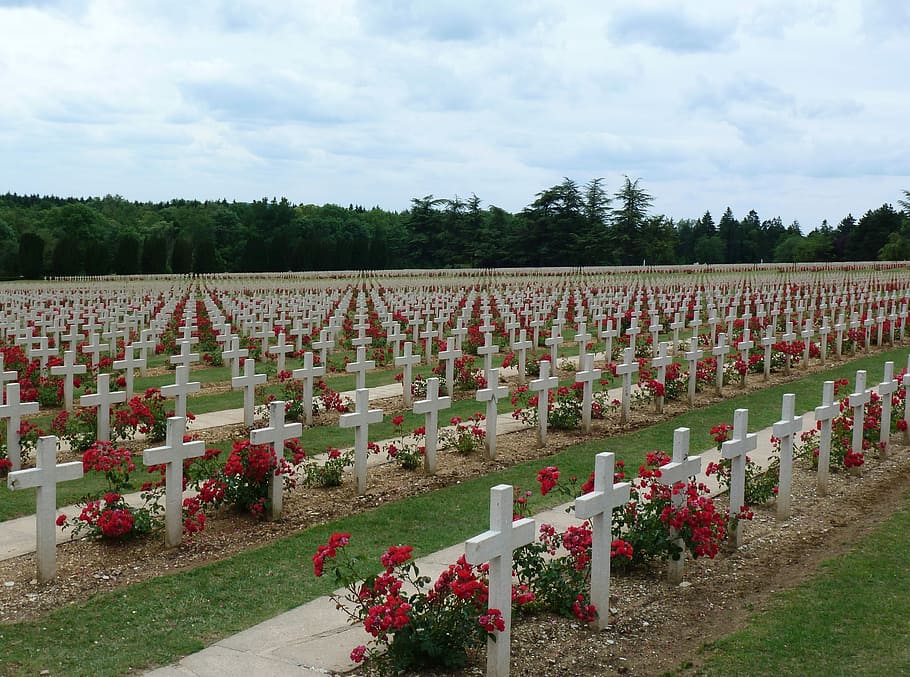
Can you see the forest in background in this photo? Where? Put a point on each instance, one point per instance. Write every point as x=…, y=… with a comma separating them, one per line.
x=566, y=225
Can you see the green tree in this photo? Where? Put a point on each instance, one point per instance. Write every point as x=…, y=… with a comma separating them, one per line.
x=628, y=220
x=31, y=256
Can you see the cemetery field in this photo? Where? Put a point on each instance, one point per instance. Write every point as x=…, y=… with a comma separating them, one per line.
x=98, y=580
x=319, y=409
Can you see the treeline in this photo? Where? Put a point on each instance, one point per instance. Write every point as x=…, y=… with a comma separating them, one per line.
x=565, y=225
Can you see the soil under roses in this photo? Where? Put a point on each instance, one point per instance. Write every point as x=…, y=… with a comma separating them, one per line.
x=656, y=627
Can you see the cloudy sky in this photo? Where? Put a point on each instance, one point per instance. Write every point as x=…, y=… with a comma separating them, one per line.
x=797, y=109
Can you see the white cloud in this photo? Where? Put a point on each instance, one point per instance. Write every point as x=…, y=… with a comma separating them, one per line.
x=797, y=110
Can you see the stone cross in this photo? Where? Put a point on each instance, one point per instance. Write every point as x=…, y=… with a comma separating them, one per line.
x=145, y=343
x=662, y=361
x=655, y=328
x=678, y=471
x=6, y=376
x=431, y=407
x=276, y=435
x=44, y=478
x=308, y=374
x=586, y=375
x=128, y=364
x=234, y=355
x=720, y=351
x=693, y=355
x=428, y=334
x=825, y=414
x=185, y=357
x=807, y=333
x=323, y=345
x=628, y=367
x=360, y=421
x=496, y=547
x=885, y=390
x=677, y=324
x=73, y=337
x=281, y=350
x=543, y=385
x=360, y=367
x=407, y=361
x=788, y=337
x=784, y=430
x=736, y=450
x=13, y=411
x=103, y=399
x=487, y=350
x=521, y=346
x=597, y=506
x=448, y=356
x=823, y=332
x=744, y=346
x=94, y=348
x=839, y=328
x=491, y=395
x=42, y=352
x=858, y=400
x=68, y=370
x=553, y=344
x=607, y=334
x=582, y=337
x=767, y=341
x=248, y=383
x=180, y=390
x=394, y=336
x=172, y=454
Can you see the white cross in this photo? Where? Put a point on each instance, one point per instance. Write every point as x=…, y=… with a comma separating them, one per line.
x=145, y=343
x=662, y=361
x=13, y=411
x=885, y=389
x=858, y=400
x=360, y=367
x=281, y=349
x=608, y=334
x=395, y=337
x=496, y=547
x=543, y=385
x=522, y=346
x=582, y=337
x=360, y=421
x=185, y=357
x=628, y=367
x=431, y=407
x=276, y=435
x=586, y=376
x=234, y=355
x=449, y=355
x=553, y=344
x=44, y=477
x=536, y=324
x=744, y=346
x=807, y=333
x=491, y=395
x=308, y=375
x=73, y=337
x=839, y=328
x=172, y=454
x=736, y=450
x=128, y=364
x=103, y=399
x=6, y=376
x=487, y=350
x=679, y=471
x=407, y=362
x=248, y=383
x=428, y=335
x=597, y=506
x=825, y=413
x=43, y=352
x=692, y=357
x=323, y=345
x=94, y=348
x=180, y=389
x=784, y=430
x=767, y=342
x=68, y=370
x=720, y=351
x=676, y=325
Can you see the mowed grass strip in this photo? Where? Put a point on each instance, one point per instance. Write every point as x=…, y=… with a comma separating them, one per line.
x=161, y=619
x=850, y=619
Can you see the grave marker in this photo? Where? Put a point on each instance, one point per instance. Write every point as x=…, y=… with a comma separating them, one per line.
x=68, y=371
x=248, y=383
x=431, y=407
x=180, y=390
x=13, y=411
x=784, y=430
x=543, y=385
x=276, y=434
x=736, y=450
x=825, y=414
x=103, y=399
x=407, y=362
x=360, y=421
x=308, y=374
x=678, y=471
x=491, y=395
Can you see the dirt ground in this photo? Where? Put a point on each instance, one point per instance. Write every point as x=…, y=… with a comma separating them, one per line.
x=656, y=627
